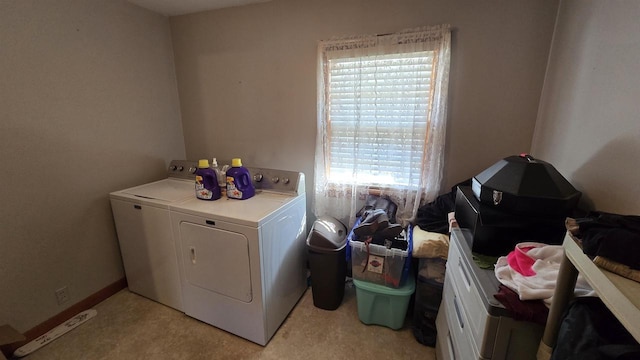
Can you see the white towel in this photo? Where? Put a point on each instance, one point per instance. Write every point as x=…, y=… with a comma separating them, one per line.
x=546, y=266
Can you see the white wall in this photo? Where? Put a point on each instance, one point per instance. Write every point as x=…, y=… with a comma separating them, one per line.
x=588, y=125
x=247, y=75
x=88, y=105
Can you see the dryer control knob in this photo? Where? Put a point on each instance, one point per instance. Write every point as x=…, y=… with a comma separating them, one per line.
x=285, y=180
x=275, y=179
x=257, y=177
x=180, y=168
x=173, y=168
x=192, y=170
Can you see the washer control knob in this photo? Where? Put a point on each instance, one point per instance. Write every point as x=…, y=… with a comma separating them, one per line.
x=257, y=177
x=285, y=180
x=173, y=168
x=180, y=168
x=275, y=179
x=192, y=170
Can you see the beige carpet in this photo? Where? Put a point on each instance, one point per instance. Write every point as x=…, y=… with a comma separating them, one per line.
x=129, y=326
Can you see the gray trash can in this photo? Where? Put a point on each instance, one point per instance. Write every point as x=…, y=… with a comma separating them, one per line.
x=326, y=248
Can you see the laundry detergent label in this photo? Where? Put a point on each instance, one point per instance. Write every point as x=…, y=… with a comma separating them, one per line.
x=375, y=264
x=201, y=191
x=232, y=190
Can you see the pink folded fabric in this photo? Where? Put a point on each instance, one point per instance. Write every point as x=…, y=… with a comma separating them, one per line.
x=520, y=261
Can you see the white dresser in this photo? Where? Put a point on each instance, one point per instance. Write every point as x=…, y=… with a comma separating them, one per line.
x=471, y=323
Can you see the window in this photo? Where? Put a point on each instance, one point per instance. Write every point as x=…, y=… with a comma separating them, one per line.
x=377, y=117
x=381, y=117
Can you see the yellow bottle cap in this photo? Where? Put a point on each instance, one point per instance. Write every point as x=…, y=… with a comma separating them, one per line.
x=237, y=162
x=203, y=163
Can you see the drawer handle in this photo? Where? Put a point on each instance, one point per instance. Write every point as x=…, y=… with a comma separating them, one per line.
x=211, y=222
x=458, y=315
x=452, y=349
x=464, y=273
x=138, y=207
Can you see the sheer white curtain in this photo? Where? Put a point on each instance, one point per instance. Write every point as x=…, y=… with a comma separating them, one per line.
x=382, y=104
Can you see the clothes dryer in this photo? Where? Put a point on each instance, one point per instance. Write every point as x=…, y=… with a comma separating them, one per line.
x=242, y=262
x=143, y=226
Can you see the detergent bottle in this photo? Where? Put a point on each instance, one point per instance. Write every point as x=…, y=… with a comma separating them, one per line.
x=239, y=185
x=206, y=182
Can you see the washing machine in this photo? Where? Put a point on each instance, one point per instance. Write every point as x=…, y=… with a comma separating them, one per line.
x=143, y=226
x=242, y=262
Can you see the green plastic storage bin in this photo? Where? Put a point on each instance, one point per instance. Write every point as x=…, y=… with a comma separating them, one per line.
x=382, y=305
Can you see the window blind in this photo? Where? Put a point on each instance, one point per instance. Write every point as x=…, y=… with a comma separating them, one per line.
x=378, y=114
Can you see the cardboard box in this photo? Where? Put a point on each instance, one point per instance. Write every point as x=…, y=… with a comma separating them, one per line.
x=8, y=336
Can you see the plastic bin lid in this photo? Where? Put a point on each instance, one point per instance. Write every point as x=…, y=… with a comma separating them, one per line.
x=407, y=289
x=327, y=235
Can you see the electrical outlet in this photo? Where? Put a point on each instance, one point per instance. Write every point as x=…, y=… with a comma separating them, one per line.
x=62, y=295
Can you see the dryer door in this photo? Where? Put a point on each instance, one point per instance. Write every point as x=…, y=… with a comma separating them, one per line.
x=216, y=260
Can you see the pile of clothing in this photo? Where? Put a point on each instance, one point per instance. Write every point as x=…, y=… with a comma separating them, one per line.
x=529, y=272
x=433, y=225
x=430, y=238
x=376, y=228
x=528, y=276
x=612, y=240
x=589, y=331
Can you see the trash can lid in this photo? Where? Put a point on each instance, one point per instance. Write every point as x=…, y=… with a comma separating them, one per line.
x=327, y=235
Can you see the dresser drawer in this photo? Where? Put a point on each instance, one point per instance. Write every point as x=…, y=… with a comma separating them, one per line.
x=471, y=323
x=481, y=326
x=445, y=348
x=460, y=333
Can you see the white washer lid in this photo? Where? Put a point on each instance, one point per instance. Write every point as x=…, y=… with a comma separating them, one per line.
x=166, y=190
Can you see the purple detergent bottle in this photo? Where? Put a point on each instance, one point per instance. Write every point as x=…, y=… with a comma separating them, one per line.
x=206, y=182
x=239, y=185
